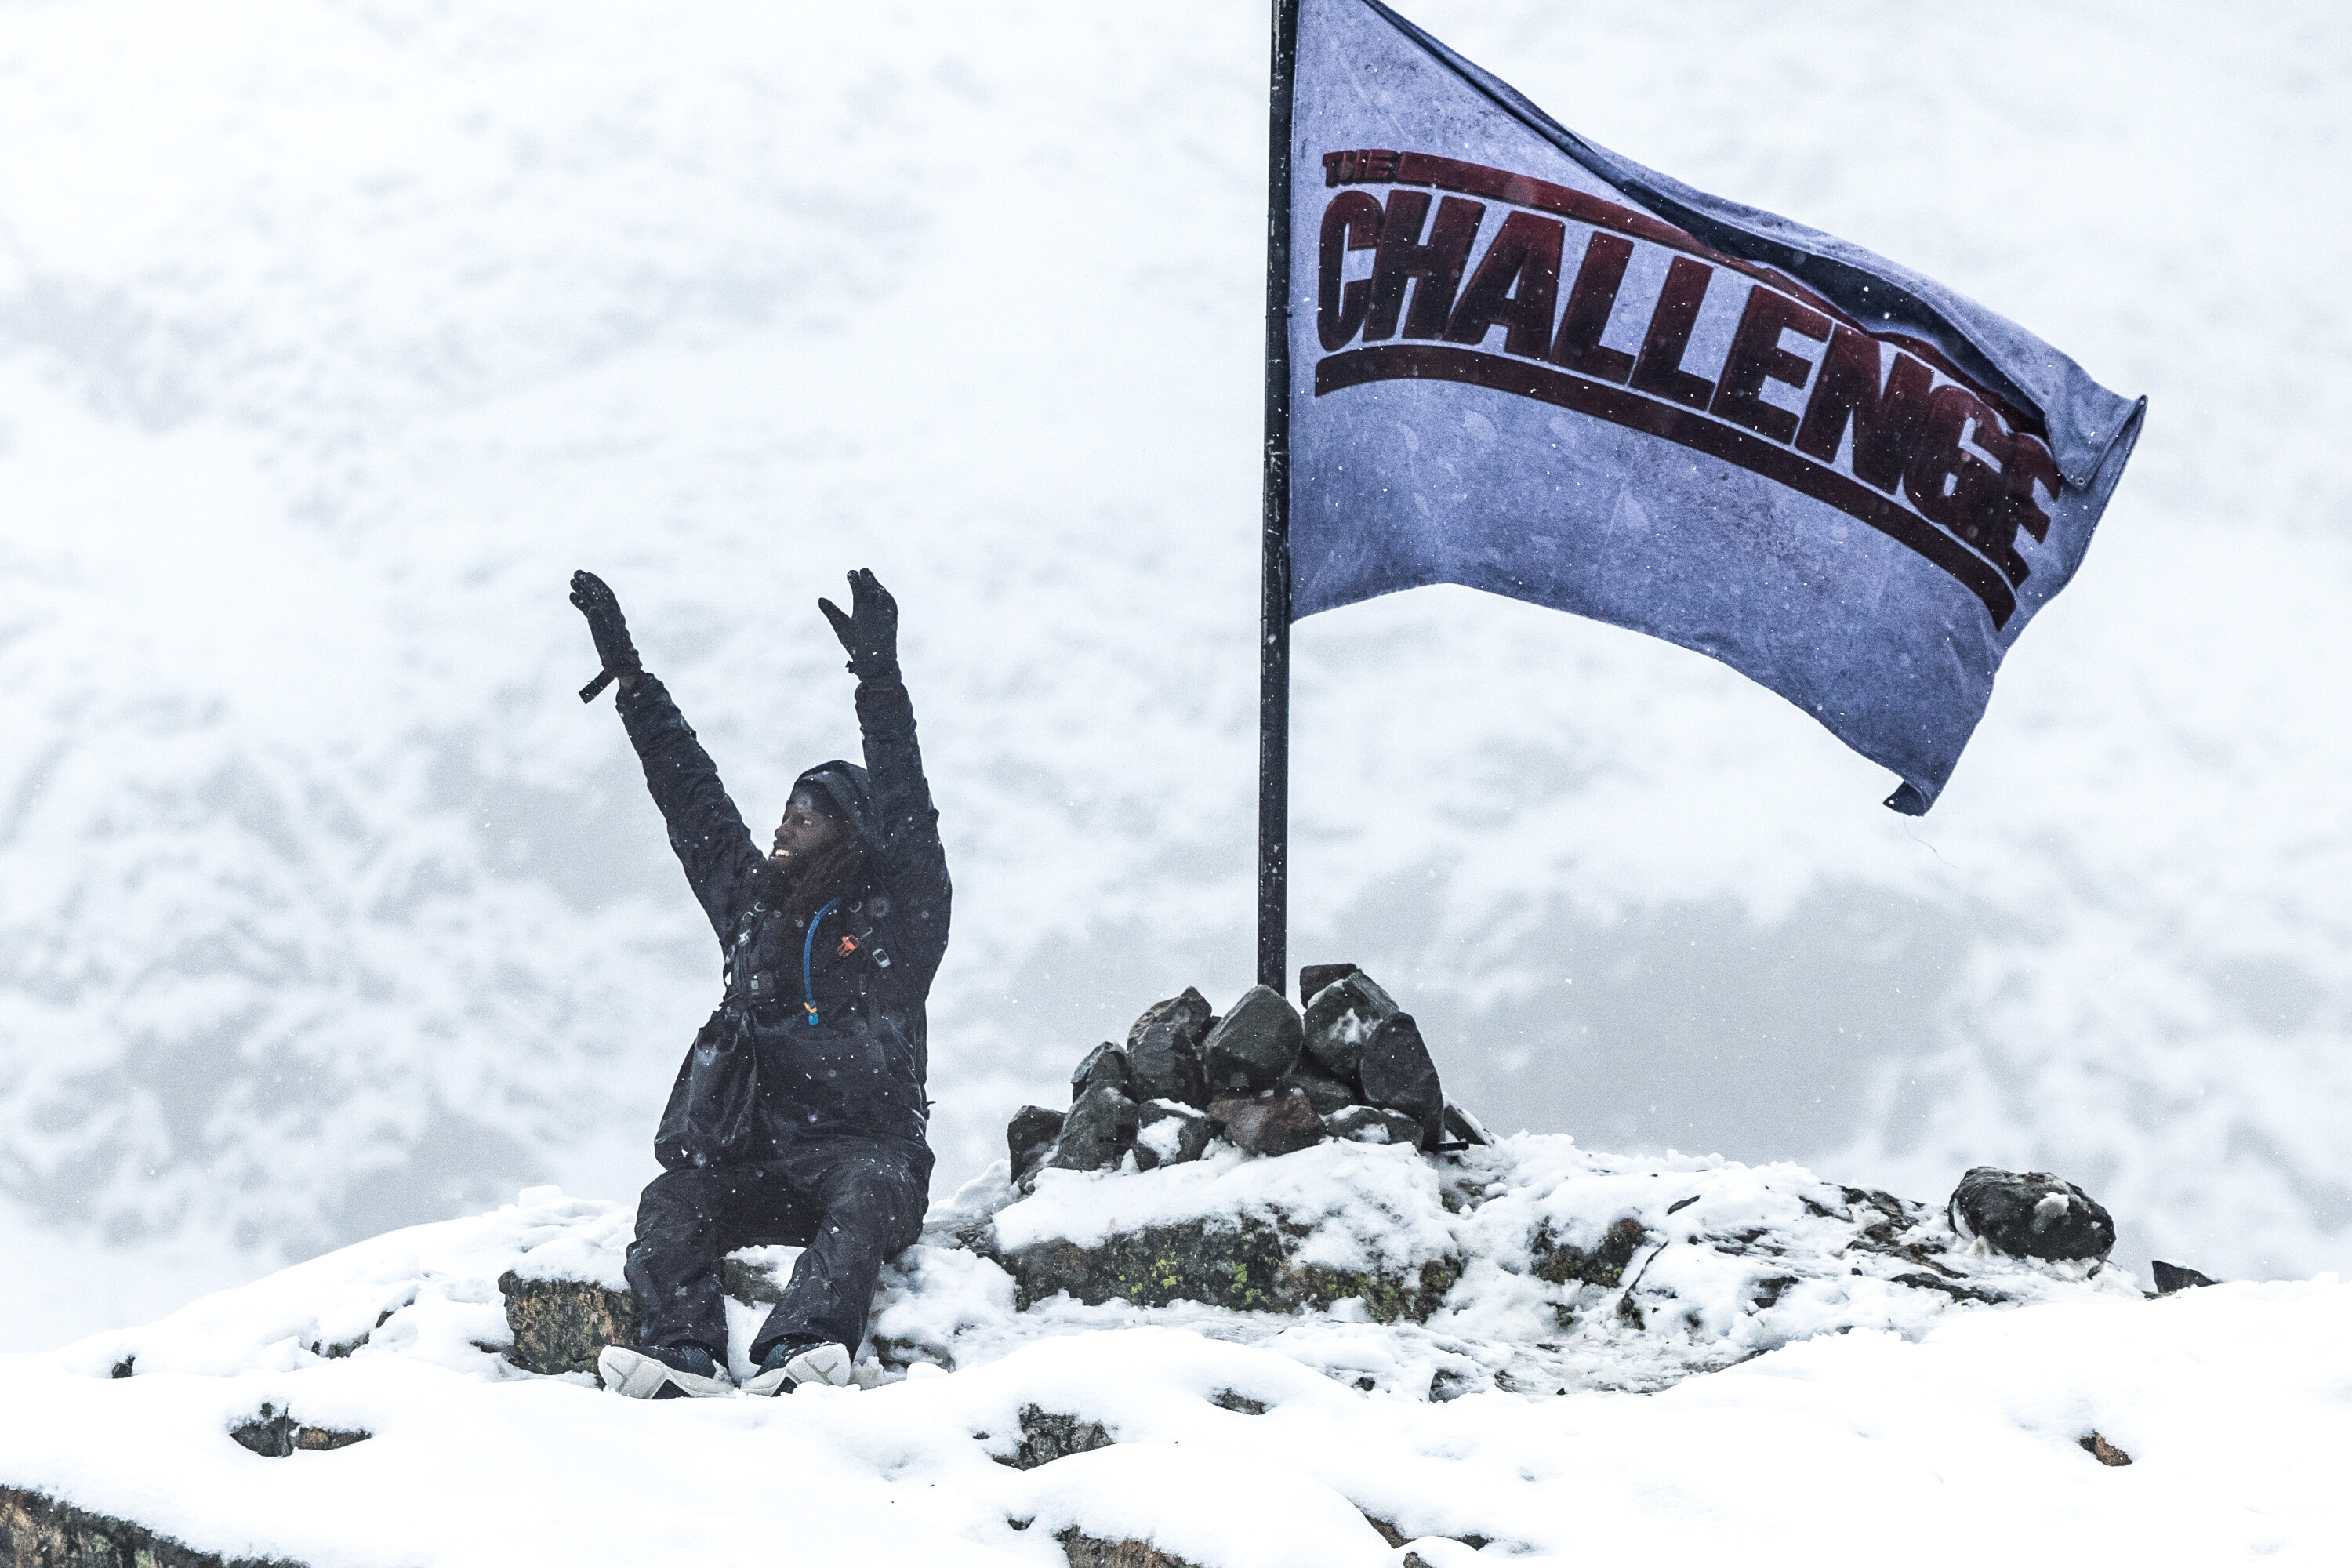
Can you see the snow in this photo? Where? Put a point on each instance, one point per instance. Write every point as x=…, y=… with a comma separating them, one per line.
x=1945, y=1439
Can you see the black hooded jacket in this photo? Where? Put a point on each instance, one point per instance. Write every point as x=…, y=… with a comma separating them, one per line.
x=826, y=1015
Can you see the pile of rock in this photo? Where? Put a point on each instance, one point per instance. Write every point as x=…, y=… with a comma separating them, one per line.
x=1263, y=1077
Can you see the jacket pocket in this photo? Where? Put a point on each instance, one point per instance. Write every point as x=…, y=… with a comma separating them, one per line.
x=713, y=1114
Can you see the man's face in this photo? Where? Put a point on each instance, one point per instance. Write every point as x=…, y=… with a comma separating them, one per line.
x=809, y=826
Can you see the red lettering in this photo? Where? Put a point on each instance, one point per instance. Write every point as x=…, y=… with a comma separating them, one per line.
x=1352, y=222
x=2027, y=463
x=1885, y=420
x=1757, y=357
x=1947, y=481
x=1590, y=302
x=1435, y=267
x=1516, y=286
x=1659, y=370
x=1374, y=163
x=2030, y=463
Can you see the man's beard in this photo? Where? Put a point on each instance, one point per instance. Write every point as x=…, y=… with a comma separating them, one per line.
x=805, y=882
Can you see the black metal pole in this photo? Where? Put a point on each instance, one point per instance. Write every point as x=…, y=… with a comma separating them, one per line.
x=1274, y=634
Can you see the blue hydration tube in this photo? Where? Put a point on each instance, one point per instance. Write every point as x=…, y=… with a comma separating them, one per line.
x=808, y=946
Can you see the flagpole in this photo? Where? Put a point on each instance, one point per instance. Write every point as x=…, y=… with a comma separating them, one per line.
x=1274, y=635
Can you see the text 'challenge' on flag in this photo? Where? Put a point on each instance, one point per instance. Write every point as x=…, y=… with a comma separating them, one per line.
x=1521, y=364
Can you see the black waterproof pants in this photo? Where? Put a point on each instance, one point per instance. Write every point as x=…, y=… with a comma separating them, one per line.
x=853, y=1203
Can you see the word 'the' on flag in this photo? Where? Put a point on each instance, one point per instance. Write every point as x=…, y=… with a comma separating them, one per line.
x=1522, y=363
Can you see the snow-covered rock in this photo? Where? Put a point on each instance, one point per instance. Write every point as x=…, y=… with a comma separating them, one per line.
x=1892, y=1376
x=1530, y=1265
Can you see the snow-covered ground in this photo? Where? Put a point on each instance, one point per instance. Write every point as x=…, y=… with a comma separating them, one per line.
x=334, y=335
x=1936, y=1430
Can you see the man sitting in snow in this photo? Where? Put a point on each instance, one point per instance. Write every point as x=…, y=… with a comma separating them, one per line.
x=798, y=1115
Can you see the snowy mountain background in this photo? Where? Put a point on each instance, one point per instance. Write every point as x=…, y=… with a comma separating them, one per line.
x=333, y=336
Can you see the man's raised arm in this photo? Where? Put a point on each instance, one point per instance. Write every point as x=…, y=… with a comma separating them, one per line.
x=907, y=826
x=705, y=828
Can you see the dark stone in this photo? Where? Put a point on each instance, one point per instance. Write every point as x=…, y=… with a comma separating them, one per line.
x=2107, y=1453
x=560, y=1325
x=1086, y=1550
x=2171, y=1276
x=1253, y=1044
x=1340, y=1021
x=1398, y=1075
x=1187, y=1018
x=1446, y=1384
x=1099, y=1129
x=1313, y=977
x=1227, y=1399
x=1371, y=1124
x=1163, y=1050
x=1106, y=1063
x=1325, y=1093
x=1278, y=1121
x=2030, y=1214
x=37, y=1529
x=1046, y=1436
x=275, y=1434
x=1461, y=1127
x=1604, y=1265
x=1247, y=1266
x=124, y=1367
x=1194, y=1133
x=1029, y=1137
x=1957, y=1292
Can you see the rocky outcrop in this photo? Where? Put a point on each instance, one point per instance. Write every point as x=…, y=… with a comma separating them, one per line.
x=41, y=1532
x=1247, y=1266
x=1558, y=1263
x=2030, y=1214
x=2107, y=1453
x=1046, y=1436
x=559, y=1325
x=1086, y=1550
x=2172, y=1277
x=276, y=1434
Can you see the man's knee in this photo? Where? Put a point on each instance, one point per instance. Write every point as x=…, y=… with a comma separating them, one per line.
x=883, y=1196
x=678, y=1205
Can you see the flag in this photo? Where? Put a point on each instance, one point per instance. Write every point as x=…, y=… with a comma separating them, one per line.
x=1522, y=363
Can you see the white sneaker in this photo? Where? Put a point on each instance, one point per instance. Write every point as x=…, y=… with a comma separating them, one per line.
x=638, y=1375
x=826, y=1365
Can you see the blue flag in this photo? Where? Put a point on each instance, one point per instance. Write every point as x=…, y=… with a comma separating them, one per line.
x=1522, y=363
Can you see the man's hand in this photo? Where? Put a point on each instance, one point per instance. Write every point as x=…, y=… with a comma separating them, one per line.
x=613, y=649
x=870, y=631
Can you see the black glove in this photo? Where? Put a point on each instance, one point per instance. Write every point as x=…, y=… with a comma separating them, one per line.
x=870, y=631
x=619, y=655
